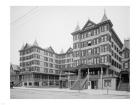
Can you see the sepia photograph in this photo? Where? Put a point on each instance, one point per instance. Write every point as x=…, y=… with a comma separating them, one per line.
x=69, y=52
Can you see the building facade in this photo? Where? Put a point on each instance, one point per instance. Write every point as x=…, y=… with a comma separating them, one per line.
x=97, y=47
x=94, y=62
x=15, y=75
x=125, y=73
x=42, y=67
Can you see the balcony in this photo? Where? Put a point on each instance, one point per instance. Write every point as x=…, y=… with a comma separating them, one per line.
x=73, y=78
x=63, y=78
x=91, y=77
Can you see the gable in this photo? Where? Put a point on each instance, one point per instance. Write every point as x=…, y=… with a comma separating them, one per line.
x=26, y=46
x=14, y=67
x=69, y=50
x=50, y=49
x=88, y=24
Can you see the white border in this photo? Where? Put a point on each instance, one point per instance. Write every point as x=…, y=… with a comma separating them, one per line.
x=5, y=50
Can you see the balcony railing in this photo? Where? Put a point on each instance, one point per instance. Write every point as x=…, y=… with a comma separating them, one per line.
x=99, y=76
x=94, y=76
x=63, y=78
x=73, y=77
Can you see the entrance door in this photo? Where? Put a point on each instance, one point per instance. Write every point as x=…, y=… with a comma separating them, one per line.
x=125, y=78
x=93, y=84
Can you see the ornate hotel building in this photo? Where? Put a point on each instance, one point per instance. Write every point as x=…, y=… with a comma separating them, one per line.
x=94, y=62
x=96, y=54
x=41, y=67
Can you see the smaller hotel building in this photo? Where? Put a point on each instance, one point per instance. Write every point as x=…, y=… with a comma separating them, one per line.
x=41, y=67
x=94, y=62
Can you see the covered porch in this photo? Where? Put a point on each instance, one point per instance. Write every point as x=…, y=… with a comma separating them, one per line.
x=97, y=76
x=37, y=79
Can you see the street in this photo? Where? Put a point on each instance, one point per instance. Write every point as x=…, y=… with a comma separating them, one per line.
x=43, y=93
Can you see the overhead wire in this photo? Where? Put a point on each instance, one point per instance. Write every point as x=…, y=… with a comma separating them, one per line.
x=26, y=14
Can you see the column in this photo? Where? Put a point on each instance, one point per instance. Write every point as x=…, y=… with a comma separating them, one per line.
x=107, y=71
x=101, y=77
x=79, y=73
x=40, y=83
x=88, y=74
x=112, y=73
x=69, y=81
x=60, y=79
x=48, y=81
x=54, y=80
x=89, y=85
x=98, y=73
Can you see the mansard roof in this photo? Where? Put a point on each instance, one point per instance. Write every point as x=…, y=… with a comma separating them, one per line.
x=89, y=26
x=27, y=45
x=49, y=49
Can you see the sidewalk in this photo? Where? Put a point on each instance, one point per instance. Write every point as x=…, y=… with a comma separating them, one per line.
x=87, y=91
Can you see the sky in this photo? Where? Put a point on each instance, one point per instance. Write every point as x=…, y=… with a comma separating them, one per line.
x=53, y=25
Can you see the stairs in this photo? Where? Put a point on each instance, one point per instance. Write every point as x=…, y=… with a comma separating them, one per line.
x=124, y=86
x=84, y=83
x=79, y=83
